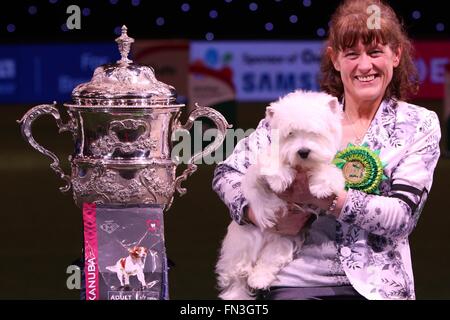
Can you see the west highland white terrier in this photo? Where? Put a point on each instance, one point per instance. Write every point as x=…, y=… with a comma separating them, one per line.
x=305, y=133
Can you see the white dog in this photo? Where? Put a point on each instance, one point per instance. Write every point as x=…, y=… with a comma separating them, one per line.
x=305, y=133
x=133, y=265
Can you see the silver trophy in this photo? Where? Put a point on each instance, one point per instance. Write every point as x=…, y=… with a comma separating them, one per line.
x=122, y=122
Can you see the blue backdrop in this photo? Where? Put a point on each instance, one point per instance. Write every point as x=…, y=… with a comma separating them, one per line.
x=44, y=73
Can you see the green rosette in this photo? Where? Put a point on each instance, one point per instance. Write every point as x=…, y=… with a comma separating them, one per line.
x=362, y=168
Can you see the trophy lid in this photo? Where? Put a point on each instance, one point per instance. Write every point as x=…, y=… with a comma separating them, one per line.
x=124, y=82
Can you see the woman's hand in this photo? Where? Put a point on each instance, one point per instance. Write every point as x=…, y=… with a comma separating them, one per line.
x=293, y=222
x=299, y=192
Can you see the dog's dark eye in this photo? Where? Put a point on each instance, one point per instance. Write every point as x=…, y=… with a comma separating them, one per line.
x=290, y=133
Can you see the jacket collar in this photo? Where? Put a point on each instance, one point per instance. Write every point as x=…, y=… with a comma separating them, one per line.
x=383, y=123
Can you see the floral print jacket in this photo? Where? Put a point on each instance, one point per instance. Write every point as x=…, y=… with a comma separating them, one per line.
x=372, y=230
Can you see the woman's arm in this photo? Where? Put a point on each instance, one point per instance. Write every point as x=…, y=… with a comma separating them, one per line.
x=396, y=214
x=228, y=174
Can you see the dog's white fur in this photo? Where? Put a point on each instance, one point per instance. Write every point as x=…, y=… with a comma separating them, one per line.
x=251, y=256
x=133, y=265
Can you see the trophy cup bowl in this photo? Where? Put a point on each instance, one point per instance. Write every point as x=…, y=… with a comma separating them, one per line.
x=122, y=122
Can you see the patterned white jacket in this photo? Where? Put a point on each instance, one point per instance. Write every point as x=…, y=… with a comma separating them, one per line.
x=372, y=230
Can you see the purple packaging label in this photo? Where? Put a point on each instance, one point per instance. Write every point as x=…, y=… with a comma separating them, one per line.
x=124, y=252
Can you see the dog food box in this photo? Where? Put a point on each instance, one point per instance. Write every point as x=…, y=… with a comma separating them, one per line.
x=124, y=253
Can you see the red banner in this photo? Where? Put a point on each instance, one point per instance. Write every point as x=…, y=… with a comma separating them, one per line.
x=169, y=59
x=432, y=57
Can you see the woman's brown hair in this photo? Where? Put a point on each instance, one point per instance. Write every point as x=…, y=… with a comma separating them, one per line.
x=350, y=24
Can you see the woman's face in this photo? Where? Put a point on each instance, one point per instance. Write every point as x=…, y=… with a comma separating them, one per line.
x=366, y=71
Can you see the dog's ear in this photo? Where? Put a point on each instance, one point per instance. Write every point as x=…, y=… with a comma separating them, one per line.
x=270, y=111
x=334, y=105
x=335, y=126
x=132, y=250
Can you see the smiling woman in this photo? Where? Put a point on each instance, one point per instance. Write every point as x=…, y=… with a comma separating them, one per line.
x=359, y=249
x=365, y=63
x=349, y=35
x=366, y=71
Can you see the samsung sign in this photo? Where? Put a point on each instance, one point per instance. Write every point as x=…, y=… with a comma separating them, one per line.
x=263, y=71
x=258, y=70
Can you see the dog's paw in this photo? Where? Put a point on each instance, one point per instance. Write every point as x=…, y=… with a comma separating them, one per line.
x=261, y=279
x=281, y=181
x=321, y=191
x=276, y=184
x=236, y=294
x=327, y=180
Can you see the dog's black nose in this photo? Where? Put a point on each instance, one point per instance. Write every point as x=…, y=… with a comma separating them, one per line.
x=303, y=153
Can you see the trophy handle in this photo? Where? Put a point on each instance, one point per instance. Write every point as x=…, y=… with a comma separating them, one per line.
x=26, y=123
x=221, y=124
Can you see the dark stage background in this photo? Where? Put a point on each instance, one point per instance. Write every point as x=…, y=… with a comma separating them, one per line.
x=41, y=228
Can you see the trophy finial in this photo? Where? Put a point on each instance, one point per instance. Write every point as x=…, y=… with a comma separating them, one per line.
x=124, y=42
